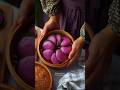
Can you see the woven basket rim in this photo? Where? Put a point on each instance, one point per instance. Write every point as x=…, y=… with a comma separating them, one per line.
x=14, y=74
x=50, y=75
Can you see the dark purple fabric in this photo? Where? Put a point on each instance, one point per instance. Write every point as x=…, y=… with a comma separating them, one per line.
x=72, y=16
x=75, y=12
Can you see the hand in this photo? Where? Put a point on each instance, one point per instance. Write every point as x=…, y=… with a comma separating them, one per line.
x=26, y=11
x=38, y=38
x=76, y=47
x=51, y=24
x=100, y=52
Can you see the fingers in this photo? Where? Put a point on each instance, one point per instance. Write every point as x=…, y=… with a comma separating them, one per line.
x=51, y=24
x=72, y=53
x=75, y=57
x=92, y=60
x=45, y=29
x=99, y=70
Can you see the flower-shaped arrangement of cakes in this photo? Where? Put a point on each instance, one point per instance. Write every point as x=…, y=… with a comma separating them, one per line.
x=55, y=48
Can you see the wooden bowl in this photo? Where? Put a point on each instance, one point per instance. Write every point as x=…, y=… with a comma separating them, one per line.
x=39, y=48
x=42, y=73
x=14, y=36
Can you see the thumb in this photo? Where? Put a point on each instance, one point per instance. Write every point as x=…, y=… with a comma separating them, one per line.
x=45, y=28
x=71, y=53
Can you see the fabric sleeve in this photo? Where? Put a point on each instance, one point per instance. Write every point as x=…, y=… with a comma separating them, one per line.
x=82, y=31
x=51, y=7
x=114, y=15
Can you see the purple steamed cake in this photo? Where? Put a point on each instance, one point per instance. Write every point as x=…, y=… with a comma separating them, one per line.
x=59, y=38
x=60, y=55
x=47, y=54
x=52, y=38
x=56, y=48
x=48, y=45
x=26, y=69
x=26, y=46
x=66, y=50
x=54, y=59
x=66, y=41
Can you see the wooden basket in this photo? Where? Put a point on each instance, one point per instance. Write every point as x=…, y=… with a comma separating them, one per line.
x=49, y=73
x=39, y=47
x=10, y=66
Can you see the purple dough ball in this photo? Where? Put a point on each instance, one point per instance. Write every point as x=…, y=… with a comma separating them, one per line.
x=26, y=46
x=26, y=69
x=54, y=59
x=48, y=45
x=60, y=55
x=66, y=50
x=66, y=41
x=52, y=38
x=47, y=54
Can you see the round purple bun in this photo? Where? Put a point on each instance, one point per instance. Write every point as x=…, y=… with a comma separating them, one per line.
x=26, y=69
x=26, y=46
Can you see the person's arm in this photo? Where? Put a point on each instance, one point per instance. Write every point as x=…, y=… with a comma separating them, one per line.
x=100, y=49
x=26, y=12
x=99, y=58
x=77, y=46
x=51, y=7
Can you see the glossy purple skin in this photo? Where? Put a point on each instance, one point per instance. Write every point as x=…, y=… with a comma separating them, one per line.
x=66, y=50
x=60, y=55
x=26, y=46
x=25, y=69
x=47, y=54
x=54, y=59
x=48, y=45
x=56, y=48
x=52, y=38
x=66, y=41
x=58, y=38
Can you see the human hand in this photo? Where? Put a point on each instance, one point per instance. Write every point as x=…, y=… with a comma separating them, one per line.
x=76, y=47
x=51, y=24
x=100, y=52
x=26, y=12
